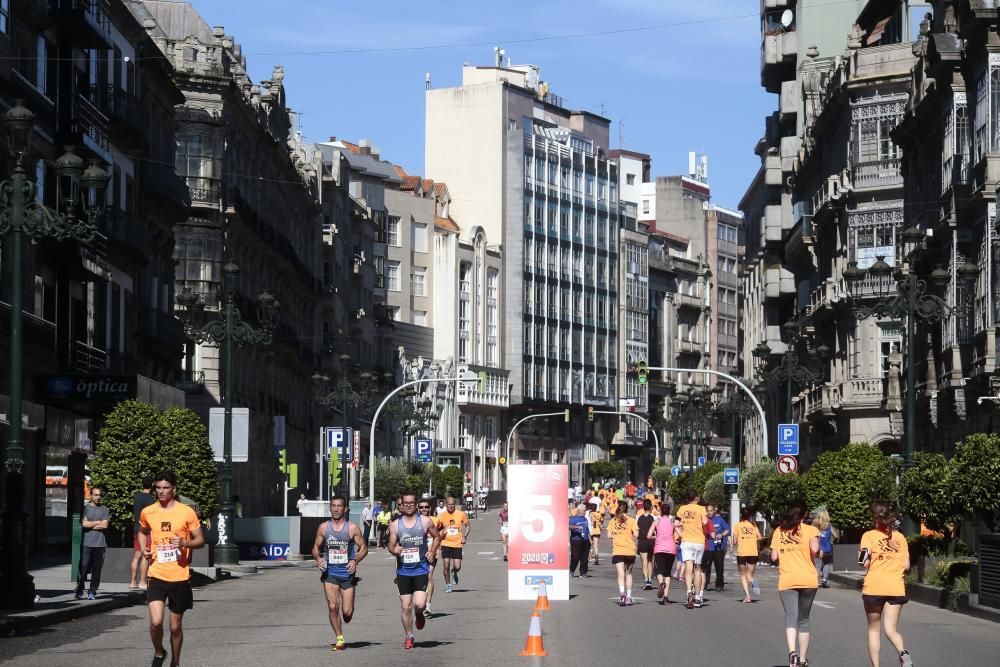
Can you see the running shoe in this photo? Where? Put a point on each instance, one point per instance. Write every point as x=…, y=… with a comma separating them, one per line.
x=408, y=643
x=427, y=611
x=755, y=587
x=904, y=659
x=690, y=600
x=78, y=596
x=629, y=602
x=793, y=659
x=447, y=588
x=648, y=586
x=621, y=600
x=505, y=559
x=91, y=595
x=824, y=584
x=158, y=660
x=803, y=662
x=747, y=600
x=698, y=601
x=420, y=620
x=661, y=590
x=340, y=645
x=661, y=602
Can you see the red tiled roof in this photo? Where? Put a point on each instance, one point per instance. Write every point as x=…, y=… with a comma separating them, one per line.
x=428, y=183
x=400, y=172
x=354, y=148
x=439, y=188
x=410, y=183
x=446, y=224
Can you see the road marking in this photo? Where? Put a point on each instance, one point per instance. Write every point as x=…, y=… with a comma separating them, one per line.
x=825, y=605
x=485, y=553
x=495, y=558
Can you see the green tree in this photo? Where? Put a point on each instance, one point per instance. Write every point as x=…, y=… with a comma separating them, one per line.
x=705, y=473
x=977, y=466
x=127, y=450
x=776, y=492
x=390, y=479
x=187, y=452
x=931, y=492
x=751, y=480
x=449, y=481
x=679, y=487
x=847, y=480
x=661, y=475
x=715, y=491
x=603, y=471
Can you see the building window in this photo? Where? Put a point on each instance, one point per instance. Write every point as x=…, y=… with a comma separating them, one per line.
x=418, y=232
x=645, y=207
x=393, y=313
x=4, y=16
x=987, y=119
x=392, y=231
x=629, y=179
x=418, y=281
x=955, y=154
x=874, y=156
x=378, y=262
x=392, y=276
x=420, y=318
x=41, y=68
x=198, y=158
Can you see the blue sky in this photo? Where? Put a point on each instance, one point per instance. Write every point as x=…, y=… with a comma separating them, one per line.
x=694, y=86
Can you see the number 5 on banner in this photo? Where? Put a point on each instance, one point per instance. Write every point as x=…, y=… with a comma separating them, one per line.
x=537, y=509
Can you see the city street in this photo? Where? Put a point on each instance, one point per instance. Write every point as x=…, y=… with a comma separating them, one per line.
x=279, y=617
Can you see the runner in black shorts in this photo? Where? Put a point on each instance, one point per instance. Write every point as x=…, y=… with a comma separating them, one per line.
x=425, y=508
x=644, y=545
x=168, y=530
x=408, y=543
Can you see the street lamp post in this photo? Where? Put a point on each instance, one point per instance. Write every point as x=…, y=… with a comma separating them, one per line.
x=82, y=203
x=738, y=407
x=913, y=302
x=788, y=370
x=228, y=330
x=343, y=395
x=690, y=421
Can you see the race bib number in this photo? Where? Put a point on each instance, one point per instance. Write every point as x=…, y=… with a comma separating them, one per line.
x=167, y=553
x=452, y=531
x=336, y=556
x=411, y=556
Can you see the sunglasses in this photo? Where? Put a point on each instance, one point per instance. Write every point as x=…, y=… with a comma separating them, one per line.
x=424, y=507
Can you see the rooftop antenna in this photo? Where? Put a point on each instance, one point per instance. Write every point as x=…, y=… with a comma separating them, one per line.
x=621, y=124
x=427, y=80
x=499, y=53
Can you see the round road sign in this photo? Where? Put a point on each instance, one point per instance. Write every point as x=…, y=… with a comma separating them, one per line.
x=787, y=464
x=502, y=460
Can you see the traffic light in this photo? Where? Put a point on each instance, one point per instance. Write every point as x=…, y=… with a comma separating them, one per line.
x=334, y=467
x=481, y=386
x=566, y=415
x=502, y=460
x=590, y=413
x=282, y=459
x=642, y=368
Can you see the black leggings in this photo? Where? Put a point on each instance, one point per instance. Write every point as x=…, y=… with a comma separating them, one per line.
x=663, y=563
x=798, y=603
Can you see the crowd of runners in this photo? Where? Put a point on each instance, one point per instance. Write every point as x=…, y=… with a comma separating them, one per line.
x=682, y=544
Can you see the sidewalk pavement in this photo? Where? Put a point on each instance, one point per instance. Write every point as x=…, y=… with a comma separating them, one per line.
x=929, y=595
x=54, y=601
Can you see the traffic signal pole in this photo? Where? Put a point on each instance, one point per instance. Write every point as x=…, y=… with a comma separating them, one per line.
x=520, y=421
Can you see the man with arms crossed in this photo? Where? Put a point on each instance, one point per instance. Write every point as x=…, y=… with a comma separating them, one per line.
x=455, y=525
x=343, y=547
x=168, y=530
x=693, y=518
x=408, y=543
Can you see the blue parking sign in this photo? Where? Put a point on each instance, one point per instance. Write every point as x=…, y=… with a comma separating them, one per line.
x=701, y=461
x=731, y=476
x=788, y=439
x=423, y=449
x=338, y=438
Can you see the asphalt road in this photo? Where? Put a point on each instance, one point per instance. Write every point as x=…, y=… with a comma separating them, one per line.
x=278, y=617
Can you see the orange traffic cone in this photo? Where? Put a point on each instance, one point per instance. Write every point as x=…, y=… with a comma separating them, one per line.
x=534, y=646
x=542, y=604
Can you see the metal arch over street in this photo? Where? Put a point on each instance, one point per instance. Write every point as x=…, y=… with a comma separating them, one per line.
x=652, y=431
x=388, y=397
x=521, y=421
x=707, y=371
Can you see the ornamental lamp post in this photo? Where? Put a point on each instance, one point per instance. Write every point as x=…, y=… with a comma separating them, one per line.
x=22, y=217
x=226, y=331
x=788, y=369
x=914, y=301
x=342, y=395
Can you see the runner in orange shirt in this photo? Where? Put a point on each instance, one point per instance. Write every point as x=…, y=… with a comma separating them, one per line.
x=885, y=554
x=623, y=530
x=693, y=517
x=453, y=524
x=168, y=531
x=746, y=536
x=793, y=547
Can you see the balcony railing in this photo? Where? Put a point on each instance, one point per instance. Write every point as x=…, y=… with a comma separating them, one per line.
x=88, y=359
x=877, y=174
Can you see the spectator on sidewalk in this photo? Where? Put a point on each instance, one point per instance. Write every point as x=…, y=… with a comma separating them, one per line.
x=95, y=520
x=300, y=503
x=366, y=520
x=716, y=548
x=579, y=541
x=143, y=499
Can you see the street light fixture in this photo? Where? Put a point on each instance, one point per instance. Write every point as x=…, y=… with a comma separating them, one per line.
x=21, y=217
x=737, y=406
x=912, y=301
x=690, y=420
x=342, y=395
x=228, y=330
x=788, y=369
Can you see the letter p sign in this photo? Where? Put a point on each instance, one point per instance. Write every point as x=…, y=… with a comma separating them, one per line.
x=788, y=439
